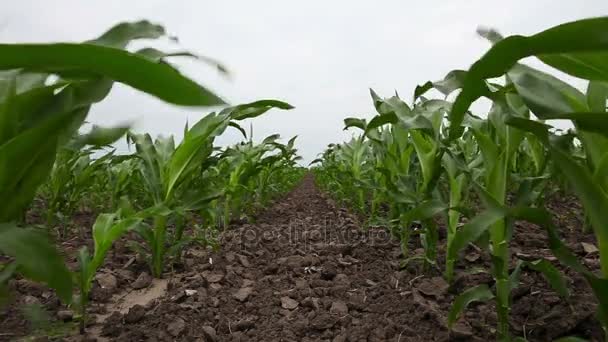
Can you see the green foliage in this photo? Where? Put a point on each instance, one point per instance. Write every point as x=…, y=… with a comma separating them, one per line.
x=422, y=159
x=107, y=229
x=39, y=115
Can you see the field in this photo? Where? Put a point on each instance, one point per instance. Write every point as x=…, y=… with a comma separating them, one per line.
x=432, y=223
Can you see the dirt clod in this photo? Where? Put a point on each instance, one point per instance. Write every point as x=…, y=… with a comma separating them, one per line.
x=243, y=293
x=176, y=327
x=135, y=314
x=143, y=280
x=288, y=303
x=107, y=281
x=65, y=315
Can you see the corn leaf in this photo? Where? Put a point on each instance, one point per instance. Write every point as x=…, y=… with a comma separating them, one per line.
x=561, y=39
x=158, y=79
x=36, y=258
x=480, y=293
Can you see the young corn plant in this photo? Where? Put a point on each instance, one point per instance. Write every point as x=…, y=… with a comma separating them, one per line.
x=423, y=125
x=38, y=117
x=167, y=171
x=547, y=98
x=107, y=229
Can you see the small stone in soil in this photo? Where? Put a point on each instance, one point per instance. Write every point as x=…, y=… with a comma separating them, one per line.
x=144, y=280
x=243, y=293
x=214, y=302
x=322, y=321
x=135, y=314
x=112, y=325
x=435, y=286
x=288, y=303
x=31, y=300
x=310, y=302
x=244, y=261
x=462, y=331
x=176, y=327
x=210, y=334
x=589, y=248
x=244, y=325
x=213, y=277
x=271, y=269
x=339, y=308
x=328, y=274
x=65, y=315
x=107, y=281
x=294, y=261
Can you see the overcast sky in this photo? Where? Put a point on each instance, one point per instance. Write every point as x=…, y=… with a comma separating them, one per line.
x=320, y=56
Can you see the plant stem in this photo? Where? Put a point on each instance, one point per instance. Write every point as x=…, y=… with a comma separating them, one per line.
x=158, y=250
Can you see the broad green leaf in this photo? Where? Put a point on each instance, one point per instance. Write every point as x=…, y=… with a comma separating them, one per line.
x=593, y=198
x=453, y=80
x=102, y=136
x=106, y=230
x=586, y=65
x=25, y=161
x=562, y=39
x=36, y=258
x=420, y=90
x=473, y=229
x=158, y=79
x=597, y=92
x=480, y=293
x=426, y=210
x=381, y=120
x=257, y=108
x=355, y=122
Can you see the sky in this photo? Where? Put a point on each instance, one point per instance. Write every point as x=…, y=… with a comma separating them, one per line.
x=320, y=56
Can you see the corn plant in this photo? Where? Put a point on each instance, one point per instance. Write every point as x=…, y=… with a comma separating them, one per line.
x=548, y=98
x=36, y=118
x=167, y=170
x=107, y=229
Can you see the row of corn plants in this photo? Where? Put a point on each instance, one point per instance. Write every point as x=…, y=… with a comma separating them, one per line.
x=432, y=160
x=46, y=92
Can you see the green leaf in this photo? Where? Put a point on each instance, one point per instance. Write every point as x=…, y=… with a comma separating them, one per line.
x=453, y=80
x=381, y=120
x=121, y=34
x=355, y=122
x=238, y=127
x=25, y=161
x=160, y=56
x=473, y=229
x=480, y=293
x=257, y=108
x=158, y=79
x=551, y=274
x=593, y=198
x=420, y=90
x=106, y=230
x=571, y=339
x=597, y=92
x=504, y=54
x=36, y=258
x=101, y=136
x=426, y=210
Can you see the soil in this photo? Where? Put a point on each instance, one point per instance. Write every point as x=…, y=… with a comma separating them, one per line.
x=307, y=271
